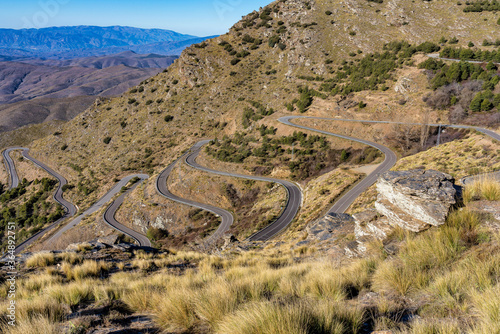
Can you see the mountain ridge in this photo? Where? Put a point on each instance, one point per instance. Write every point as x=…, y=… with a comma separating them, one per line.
x=85, y=41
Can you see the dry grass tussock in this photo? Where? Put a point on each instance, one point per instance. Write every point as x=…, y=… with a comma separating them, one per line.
x=448, y=276
x=41, y=260
x=88, y=268
x=482, y=189
x=36, y=325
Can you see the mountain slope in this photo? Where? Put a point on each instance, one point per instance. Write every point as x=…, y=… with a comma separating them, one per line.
x=43, y=90
x=23, y=82
x=127, y=58
x=260, y=62
x=15, y=115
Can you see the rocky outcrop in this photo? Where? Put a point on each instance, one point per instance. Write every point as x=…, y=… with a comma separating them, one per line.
x=327, y=227
x=415, y=199
x=371, y=224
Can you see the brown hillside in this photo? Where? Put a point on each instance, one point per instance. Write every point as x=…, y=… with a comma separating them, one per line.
x=208, y=88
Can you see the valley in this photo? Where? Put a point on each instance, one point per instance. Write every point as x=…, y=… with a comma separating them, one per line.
x=323, y=167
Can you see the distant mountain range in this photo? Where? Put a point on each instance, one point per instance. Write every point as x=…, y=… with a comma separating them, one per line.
x=87, y=41
x=56, y=73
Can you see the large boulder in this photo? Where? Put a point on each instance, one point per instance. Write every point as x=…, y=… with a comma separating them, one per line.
x=415, y=199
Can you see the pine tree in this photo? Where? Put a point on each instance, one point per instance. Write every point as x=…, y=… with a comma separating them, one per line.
x=475, y=105
x=486, y=105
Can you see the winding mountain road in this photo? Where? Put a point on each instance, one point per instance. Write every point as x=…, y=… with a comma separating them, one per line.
x=109, y=214
x=109, y=219
x=390, y=158
x=10, y=167
x=294, y=195
x=436, y=56
x=345, y=201
x=227, y=218
x=69, y=208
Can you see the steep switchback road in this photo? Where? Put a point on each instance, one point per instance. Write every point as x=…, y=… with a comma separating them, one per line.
x=69, y=208
x=292, y=206
x=58, y=195
x=390, y=158
x=345, y=201
x=10, y=167
x=226, y=217
x=109, y=214
x=488, y=132
x=99, y=204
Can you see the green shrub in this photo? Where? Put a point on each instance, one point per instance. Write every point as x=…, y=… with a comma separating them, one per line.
x=106, y=140
x=274, y=40
x=154, y=233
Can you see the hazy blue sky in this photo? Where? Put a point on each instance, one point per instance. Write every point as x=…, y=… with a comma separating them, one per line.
x=195, y=17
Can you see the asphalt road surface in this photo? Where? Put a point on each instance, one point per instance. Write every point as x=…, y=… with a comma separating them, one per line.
x=10, y=167
x=69, y=208
x=99, y=204
x=294, y=198
x=345, y=201
x=109, y=214
x=436, y=56
x=162, y=189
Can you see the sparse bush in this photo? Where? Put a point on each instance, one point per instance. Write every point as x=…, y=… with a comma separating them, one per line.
x=168, y=118
x=106, y=140
x=154, y=233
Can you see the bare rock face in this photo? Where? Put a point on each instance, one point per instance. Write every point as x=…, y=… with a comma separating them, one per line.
x=370, y=223
x=325, y=228
x=415, y=199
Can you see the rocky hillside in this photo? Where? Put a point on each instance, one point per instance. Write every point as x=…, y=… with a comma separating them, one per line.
x=262, y=59
x=338, y=59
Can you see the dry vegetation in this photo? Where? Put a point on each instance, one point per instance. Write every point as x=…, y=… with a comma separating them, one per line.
x=444, y=280
x=474, y=154
x=203, y=95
